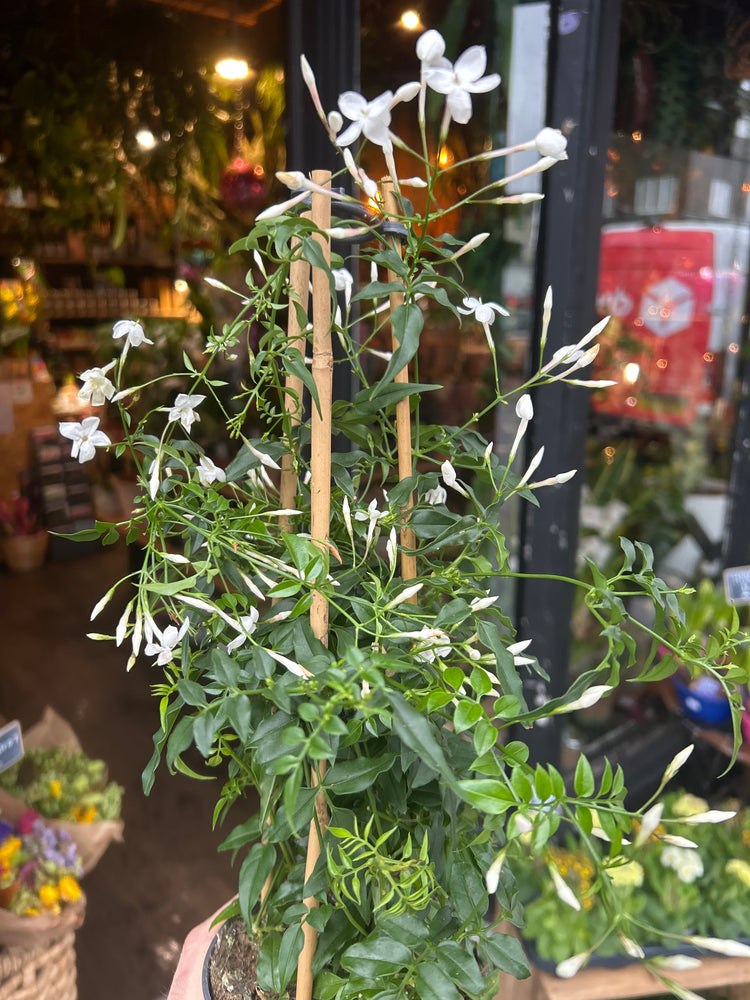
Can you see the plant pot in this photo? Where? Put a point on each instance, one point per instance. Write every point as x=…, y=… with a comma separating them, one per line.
x=25, y=552
x=703, y=700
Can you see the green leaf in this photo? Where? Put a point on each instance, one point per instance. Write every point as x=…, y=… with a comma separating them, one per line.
x=267, y=968
x=254, y=871
x=467, y=889
x=505, y=668
x=416, y=733
x=192, y=693
x=370, y=400
x=460, y=966
x=504, y=952
x=467, y=714
x=289, y=949
x=433, y=984
x=204, y=730
x=407, y=321
x=377, y=956
x=492, y=797
x=351, y=776
x=583, y=781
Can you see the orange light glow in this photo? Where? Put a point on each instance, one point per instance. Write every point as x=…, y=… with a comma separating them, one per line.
x=636, y=136
x=662, y=363
x=445, y=156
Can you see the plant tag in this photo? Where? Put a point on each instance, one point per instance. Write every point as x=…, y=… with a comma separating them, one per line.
x=737, y=584
x=11, y=745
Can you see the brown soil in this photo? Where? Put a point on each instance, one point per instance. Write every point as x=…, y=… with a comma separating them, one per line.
x=231, y=968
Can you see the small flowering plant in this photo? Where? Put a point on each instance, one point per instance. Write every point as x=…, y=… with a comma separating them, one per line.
x=679, y=885
x=63, y=785
x=323, y=607
x=39, y=867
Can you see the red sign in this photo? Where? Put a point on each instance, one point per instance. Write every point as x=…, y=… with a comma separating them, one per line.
x=657, y=284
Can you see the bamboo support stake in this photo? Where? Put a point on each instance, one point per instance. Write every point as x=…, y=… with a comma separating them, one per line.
x=403, y=415
x=320, y=488
x=299, y=280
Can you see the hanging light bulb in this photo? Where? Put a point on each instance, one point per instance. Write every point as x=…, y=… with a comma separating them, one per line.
x=232, y=68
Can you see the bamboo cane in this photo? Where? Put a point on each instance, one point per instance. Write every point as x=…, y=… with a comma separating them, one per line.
x=299, y=279
x=403, y=415
x=320, y=489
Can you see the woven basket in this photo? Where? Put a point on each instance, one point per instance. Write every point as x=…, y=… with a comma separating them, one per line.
x=42, y=972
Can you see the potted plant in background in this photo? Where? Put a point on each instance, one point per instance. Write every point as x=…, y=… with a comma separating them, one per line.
x=324, y=608
x=24, y=540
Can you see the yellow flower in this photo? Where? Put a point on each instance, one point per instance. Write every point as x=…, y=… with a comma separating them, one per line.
x=8, y=850
x=55, y=789
x=50, y=897
x=739, y=868
x=70, y=890
x=84, y=814
x=689, y=805
x=629, y=875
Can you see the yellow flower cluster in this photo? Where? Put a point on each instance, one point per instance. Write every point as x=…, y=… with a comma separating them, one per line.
x=689, y=805
x=84, y=814
x=8, y=850
x=627, y=876
x=575, y=863
x=51, y=896
x=740, y=868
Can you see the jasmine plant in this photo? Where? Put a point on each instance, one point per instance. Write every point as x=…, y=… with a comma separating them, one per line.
x=326, y=617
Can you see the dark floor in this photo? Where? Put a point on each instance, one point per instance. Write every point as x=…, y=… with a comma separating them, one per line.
x=147, y=892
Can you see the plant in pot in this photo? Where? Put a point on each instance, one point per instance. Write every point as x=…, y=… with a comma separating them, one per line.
x=24, y=539
x=324, y=608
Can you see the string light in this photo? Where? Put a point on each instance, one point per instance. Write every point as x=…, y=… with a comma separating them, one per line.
x=410, y=20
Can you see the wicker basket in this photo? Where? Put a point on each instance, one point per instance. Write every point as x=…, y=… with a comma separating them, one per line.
x=42, y=972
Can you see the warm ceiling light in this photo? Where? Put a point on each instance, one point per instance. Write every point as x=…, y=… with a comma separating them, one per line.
x=233, y=69
x=410, y=20
x=145, y=138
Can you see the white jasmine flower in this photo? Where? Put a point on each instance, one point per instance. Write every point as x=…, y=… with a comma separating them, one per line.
x=368, y=185
x=492, y=878
x=184, y=409
x=525, y=408
x=551, y=142
x=588, y=698
x=405, y=93
x=712, y=816
x=209, y=473
x=649, y=823
x=722, y=946
x=273, y=211
x=335, y=122
x=403, y=596
x=343, y=281
x=154, y=477
x=563, y=890
x=460, y=80
x=437, y=495
x=101, y=603
x=291, y=665
x=676, y=763
x=450, y=479
x=122, y=624
x=162, y=644
x=569, y=966
x=86, y=437
x=480, y=603
x=533, y=466
x=433, y=642
x=687, y=863
x=368, y=118
x=132, y=331
x=248, y=624
x=430, y=47
x=96, y=388
x=483, y=312
x=392, y=549
x=525, y=412
x=372, y=515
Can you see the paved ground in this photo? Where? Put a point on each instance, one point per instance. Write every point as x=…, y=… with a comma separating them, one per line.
x=147, y=892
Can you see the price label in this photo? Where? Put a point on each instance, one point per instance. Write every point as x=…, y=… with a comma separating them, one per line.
x=11, y=745
x=737, y=584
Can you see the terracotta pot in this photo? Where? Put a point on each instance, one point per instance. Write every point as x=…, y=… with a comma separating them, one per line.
x=25, y=552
